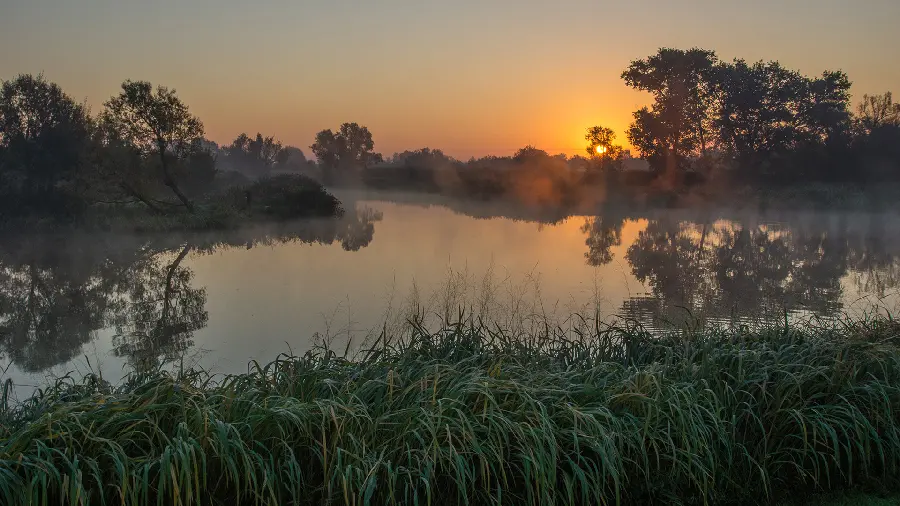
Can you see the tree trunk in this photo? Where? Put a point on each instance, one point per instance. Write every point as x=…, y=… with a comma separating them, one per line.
x=32, y=296
x=181, y=196
x=130, y=191
x=170, y=182
x=672, y=166
x=170, y=273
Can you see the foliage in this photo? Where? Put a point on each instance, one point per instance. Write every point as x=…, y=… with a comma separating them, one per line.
x=478, y=415
x=291, y=196
x=678, y=123
x=756, y=114
x=156, y=123
x=601, y=143
x=877, y=111
x=765, y=120
x=256, y=155
x=423, y=169
x=43, y=135
x=350, y=149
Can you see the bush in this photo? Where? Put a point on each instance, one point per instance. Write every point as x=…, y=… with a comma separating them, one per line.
x=290, y=196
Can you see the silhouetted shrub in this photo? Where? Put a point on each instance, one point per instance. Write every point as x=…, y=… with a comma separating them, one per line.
x=290, y=196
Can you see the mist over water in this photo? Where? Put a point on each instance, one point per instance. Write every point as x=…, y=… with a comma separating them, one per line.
x=79, y=303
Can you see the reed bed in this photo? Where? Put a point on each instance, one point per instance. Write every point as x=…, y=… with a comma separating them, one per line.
x=471, y=414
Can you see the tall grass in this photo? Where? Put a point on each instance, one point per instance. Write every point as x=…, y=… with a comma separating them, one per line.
x=472, y=414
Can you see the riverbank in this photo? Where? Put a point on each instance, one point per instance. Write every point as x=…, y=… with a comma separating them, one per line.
x=481, y=415
x=270, y=199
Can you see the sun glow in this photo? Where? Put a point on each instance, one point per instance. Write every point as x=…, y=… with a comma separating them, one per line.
x=600, y=150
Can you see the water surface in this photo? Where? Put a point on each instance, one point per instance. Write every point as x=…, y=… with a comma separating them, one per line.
x=73, y=302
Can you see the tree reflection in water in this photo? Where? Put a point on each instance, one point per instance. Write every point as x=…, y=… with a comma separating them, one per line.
x=728, y=271
x=57, y=291
x=162, y=314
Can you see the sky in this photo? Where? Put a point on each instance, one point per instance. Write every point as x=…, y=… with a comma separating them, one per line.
x=471, y=77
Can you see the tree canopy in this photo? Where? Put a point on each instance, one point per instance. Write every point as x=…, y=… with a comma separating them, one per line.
x=350, y=148
x=156, y=122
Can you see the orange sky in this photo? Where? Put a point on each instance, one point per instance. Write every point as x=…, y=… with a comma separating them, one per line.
x=470, y=77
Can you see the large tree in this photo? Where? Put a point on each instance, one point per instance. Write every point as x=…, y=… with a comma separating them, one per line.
x=678, y=123
x=43, y=139
x=757, y=110
x=877, y=142
x=158, y=124
x=823, y=111
x=351, y=147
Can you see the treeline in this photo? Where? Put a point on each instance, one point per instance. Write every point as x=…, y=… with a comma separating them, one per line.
x=143, y=150
x=735, y=122
x=759, y=121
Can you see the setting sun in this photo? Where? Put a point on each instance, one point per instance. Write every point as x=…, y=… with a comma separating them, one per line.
x=600, y=150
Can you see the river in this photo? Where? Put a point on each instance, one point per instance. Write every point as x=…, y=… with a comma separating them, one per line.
x=73, y=302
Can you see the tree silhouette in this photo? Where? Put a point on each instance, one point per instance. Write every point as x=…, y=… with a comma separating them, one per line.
x=678, y=123
x=757, y=109
x=43, y=141
x=603, y=138
x=350, y=148
x=257, y=154
x=877, y=111
x=158, y=124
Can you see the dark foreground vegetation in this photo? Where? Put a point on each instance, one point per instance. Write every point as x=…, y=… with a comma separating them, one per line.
x=475, y=415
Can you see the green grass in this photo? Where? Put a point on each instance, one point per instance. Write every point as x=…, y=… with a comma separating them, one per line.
x=478, y=415
x=849, y=499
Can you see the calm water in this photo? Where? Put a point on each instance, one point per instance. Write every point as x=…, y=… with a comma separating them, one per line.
x=76, y=302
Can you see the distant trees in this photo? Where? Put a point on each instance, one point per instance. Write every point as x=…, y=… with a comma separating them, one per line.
x=257, y=154
x=600, y=142
x=144, y=149
x=422, y=158
x=350, y=148
x=43, y=139
x=530, y=154
x=760, y=122
x=877, y=138
x=601, y=148
x=157, y=124
x=877, y=111
x=293, y=156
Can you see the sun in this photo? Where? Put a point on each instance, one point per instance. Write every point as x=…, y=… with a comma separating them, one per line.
x=600, y=150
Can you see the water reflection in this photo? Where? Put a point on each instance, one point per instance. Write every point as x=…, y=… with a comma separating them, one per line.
x=726, y=265
x=162, y=312
x=50, y=305
x=142, y=295
x=728, y=271
x=57, y=291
